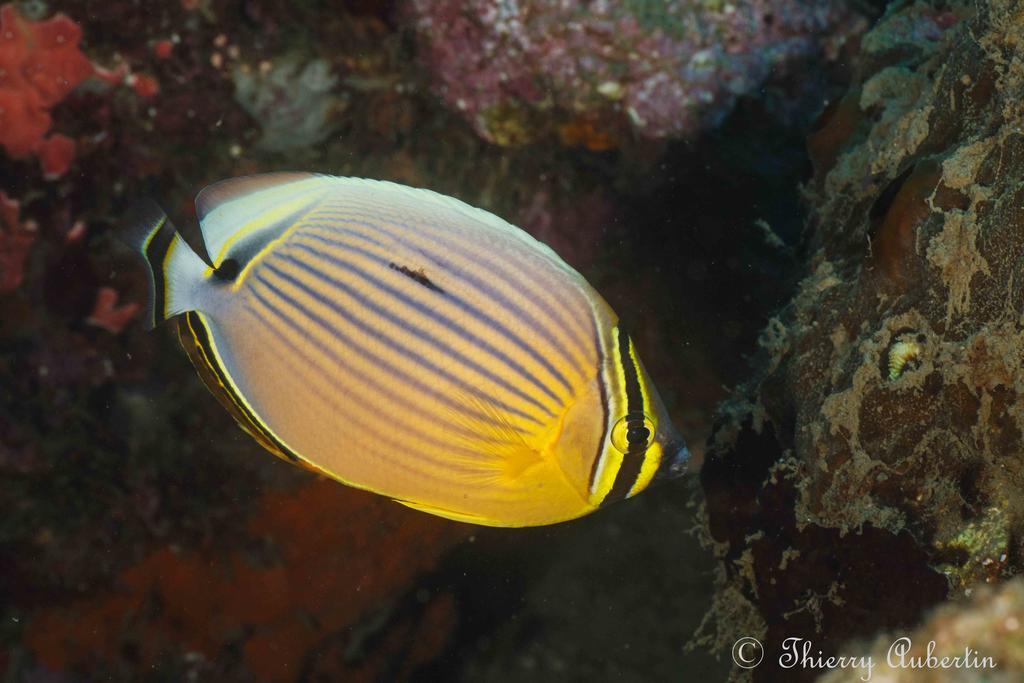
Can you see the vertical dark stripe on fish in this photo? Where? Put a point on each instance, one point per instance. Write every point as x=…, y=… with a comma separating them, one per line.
x=500, y=301
x=375, y=334
x=156, y=253
x=201, y=336
x=399, y=399
x=513, y=280
x=335, y=229
x=633, y=458
x=474, y=312
x=510, y=280
x=415, y=331
x=509, y=266
x=388, y=442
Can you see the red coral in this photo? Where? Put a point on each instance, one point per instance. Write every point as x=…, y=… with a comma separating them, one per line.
x=317, y=587
x=163, y=49
x=22, y=123
x=40, y=63
x=16, y=240
x=145, y=86
x=55, y=155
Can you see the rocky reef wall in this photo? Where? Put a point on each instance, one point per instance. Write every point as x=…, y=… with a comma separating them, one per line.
x=873, y=466
x=597, y=73
x=978, y=638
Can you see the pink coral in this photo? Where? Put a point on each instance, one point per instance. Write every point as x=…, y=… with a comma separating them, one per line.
x=662, y=69
x=40, y=63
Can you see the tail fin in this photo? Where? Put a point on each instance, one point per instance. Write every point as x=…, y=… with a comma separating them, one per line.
x=175, y=271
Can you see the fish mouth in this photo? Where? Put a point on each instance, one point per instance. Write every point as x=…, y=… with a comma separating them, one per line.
x=674, y=462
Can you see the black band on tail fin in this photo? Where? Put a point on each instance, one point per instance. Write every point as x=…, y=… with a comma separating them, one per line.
x=150, y=234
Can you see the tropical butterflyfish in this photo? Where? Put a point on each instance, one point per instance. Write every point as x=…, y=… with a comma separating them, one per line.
x=401, y=341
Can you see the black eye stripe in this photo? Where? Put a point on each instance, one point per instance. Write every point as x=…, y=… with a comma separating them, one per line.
x=634, y=396
x=633, y=459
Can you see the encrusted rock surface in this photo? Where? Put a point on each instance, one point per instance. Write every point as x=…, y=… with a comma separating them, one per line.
x=873, y=465
x=598, y=72
x=977, y=639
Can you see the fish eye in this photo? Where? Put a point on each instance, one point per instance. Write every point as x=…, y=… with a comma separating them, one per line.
x=633, y=432
x=637, y=435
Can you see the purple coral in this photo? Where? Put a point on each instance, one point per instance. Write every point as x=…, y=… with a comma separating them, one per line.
x=665, y=68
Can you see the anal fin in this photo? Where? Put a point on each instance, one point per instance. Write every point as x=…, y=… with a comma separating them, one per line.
x=448, y=514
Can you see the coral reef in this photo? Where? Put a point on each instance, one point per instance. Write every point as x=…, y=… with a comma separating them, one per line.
x=326, y=570
x=598, y=71
x=131, y=502
x=958, y=636
x=292, y=101
x=873, y=465
x=40, y=63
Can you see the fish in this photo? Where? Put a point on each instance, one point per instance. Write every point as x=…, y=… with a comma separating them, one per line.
x=401, y=341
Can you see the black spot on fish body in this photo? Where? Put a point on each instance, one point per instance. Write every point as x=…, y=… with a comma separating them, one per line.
x=418, y=275
x=228, y=270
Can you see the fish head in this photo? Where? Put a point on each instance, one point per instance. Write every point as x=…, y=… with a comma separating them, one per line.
x=637, y=442
x=675, y=460
x=666, y=443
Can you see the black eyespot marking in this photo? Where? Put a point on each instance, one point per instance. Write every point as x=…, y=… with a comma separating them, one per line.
x=228, y=270
x=418, y=275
